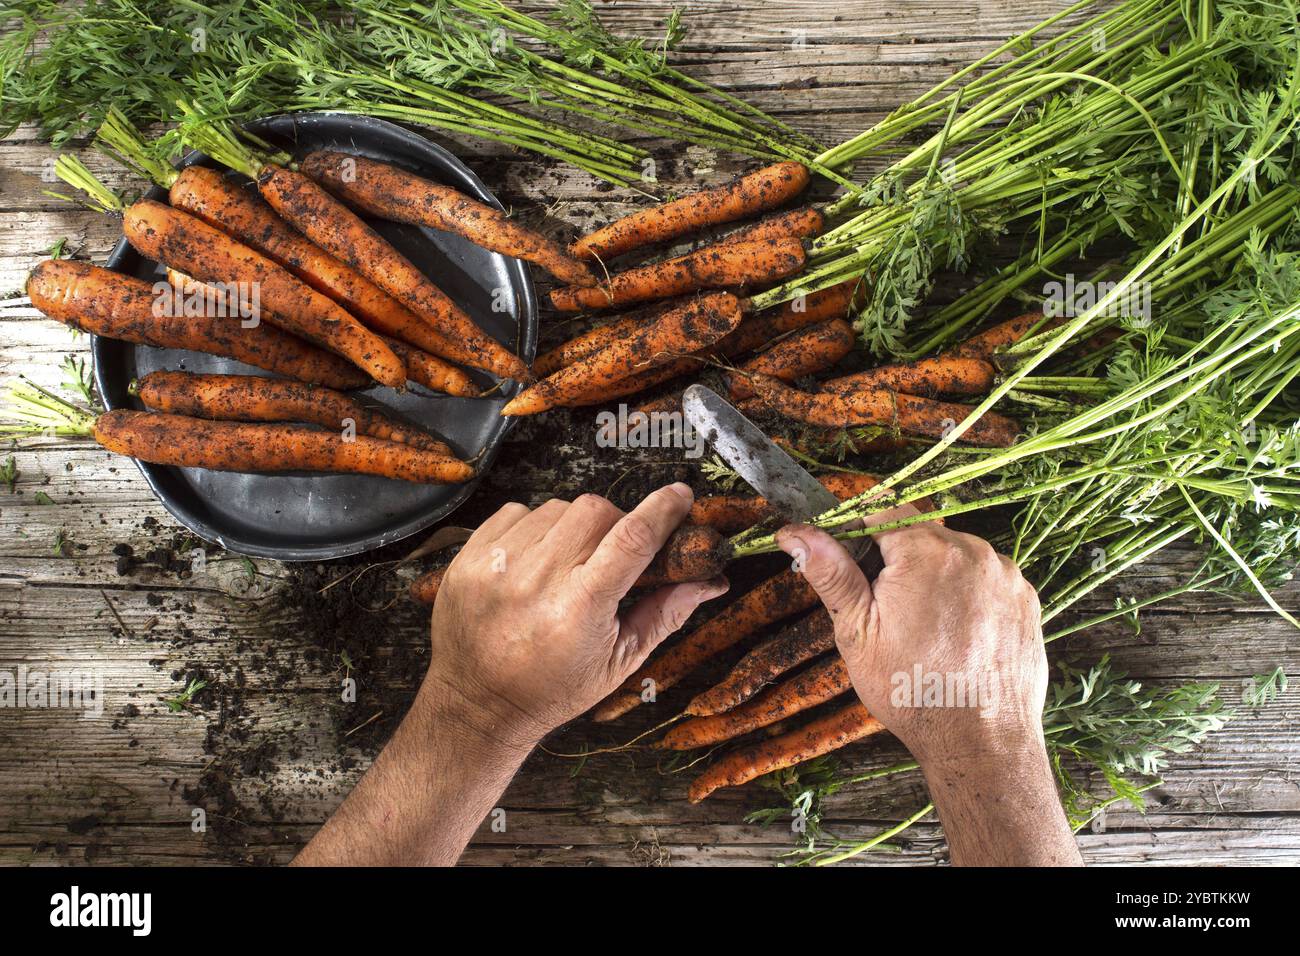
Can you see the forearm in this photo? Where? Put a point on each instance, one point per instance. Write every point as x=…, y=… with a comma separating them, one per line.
x=1000, y=807
x=419, y=804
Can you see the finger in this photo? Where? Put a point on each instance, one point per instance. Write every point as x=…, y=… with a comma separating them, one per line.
x=635, y=539
x=533, y=526
x=575, y=536
x=833, y=574
x=502, y=520
x=654, y=617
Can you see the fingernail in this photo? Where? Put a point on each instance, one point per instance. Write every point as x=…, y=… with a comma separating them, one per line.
x=789, y=538
x=683, y=489
x=714, y=588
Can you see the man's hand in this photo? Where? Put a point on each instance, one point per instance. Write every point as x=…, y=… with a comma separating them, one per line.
x=947, y=603
x=526, y=635
x=945, y=648
x=526, y=630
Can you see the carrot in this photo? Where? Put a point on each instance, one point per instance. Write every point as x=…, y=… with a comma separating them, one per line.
x=811, y=349
x=679, y=332
x=983, y=344
x=235, y=446
x=802, y=641
x=643, y=380
x=778, y=597
x=393, y=193
x=832, y=303
x=879, y=406
x=117, y=306
x=823, y=735
x=729, y=514
x=749, y=195
x=184, y=242
x=944, y=375
x=821, y=682
x=801, y=223
x=424, y=589
x=716, y=266
x=691, y=554
x=339, y=231
x=598, y=337
x=223, y=203
x=253, y=398
x=432, y=372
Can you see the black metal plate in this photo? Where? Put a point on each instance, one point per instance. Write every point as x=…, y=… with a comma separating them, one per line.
x=302, y=516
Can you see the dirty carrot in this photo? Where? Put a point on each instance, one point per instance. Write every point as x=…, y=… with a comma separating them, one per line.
x=117, y=306
x=778, y=597
x=805, y=352
x=823, y=681
x=802, y=641
x=878, y=406
x=944, y=375
x=339, y=231
x=678, y=332
x=692, y=554
x=223, y=203
x=189, y=244
x=433, y=372
x=736, y=264
x=424, y=589
x=802, y=223
x=984, y=344
x=822, y=736
x=393, y=193
x=186, y=442
x=597, y=338
x=254, y=398
x=732, y=513
x=755, y=332
x=746, y=196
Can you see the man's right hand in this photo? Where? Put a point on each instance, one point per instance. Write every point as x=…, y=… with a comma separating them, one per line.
x=945, y=648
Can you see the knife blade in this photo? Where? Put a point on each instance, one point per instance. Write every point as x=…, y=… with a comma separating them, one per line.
x=795, y=494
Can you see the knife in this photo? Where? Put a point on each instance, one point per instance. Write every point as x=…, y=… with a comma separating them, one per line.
x=795, y=494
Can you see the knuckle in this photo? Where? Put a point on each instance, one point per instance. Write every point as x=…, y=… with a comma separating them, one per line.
x=634, y=536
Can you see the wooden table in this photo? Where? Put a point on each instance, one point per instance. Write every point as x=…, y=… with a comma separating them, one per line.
x=268, y=748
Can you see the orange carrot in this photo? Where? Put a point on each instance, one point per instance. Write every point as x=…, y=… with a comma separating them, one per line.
x=984, y=344
x=778, y=597
x=432, y=372
x=117, y=306
x=254, y=398
x=339, y=231
x=732, y=513
x=393, y=193
x=810, y=350
x=821, y=736
x=691, y=554
x=945, y=375
x=185, y=242
x=679, y=332
x=801, y=223
x=235, y=446
x=749, y=195
x=717, y=266
x=878, y=406
x=808, y=638
x=223, y=203
x=600, y=336
x=823, y=681
x=424, y=589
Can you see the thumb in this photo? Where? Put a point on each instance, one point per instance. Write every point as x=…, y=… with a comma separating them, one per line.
x=654, y=617
x=833, y=574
